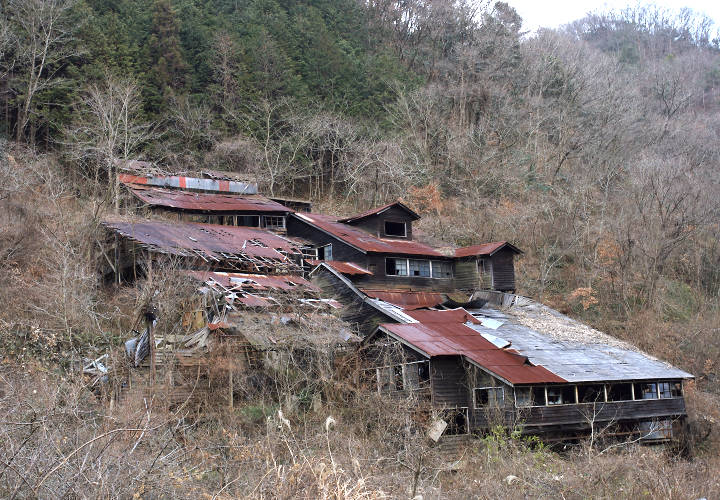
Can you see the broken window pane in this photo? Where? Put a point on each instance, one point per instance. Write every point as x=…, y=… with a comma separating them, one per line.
x=538, y=396
x=523, y=396
x=664, y=390
x=561, y=395
x=620, y=392
x=248, y=220
x=646, y=391
x=396, y=267
x=488, y=397
x=554, y=396
x=274, y=222
x=591, y=393
x=676, y=389
x=420, y=268
x=412, y=379
x=395, y=228
x=441, y=269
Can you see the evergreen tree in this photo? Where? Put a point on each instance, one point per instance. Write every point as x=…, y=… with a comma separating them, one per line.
x=168, y=67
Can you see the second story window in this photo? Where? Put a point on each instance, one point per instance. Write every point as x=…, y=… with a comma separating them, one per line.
x=420, y=268
x=396, y=267
x=397, y=229
x=274, y=222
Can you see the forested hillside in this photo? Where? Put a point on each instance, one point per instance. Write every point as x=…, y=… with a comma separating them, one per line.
x=594, y=148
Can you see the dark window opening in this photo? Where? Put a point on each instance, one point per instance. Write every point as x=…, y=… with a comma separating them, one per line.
x=398, y=377
x=538, y=396
x=247, y=220
x=591, y=393
x=676, y=389
x=395, y=228
x=620, y=392
x=482, y=265
x=456, y=420
x=523, y=396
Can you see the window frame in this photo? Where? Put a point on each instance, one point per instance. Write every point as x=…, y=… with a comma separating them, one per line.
x=266, y=218
x=404, y=224
x=501, y=399
x=431, y=264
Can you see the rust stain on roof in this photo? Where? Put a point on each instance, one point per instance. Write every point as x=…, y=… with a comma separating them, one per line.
x=407, y=299
x=205, y=240
x=340, y=266
x=484, y=249
x=379, y=210
x=364, y=241
x=208, y=202
x=453, y=339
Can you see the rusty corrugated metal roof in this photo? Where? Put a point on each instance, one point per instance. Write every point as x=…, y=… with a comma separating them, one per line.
x=407, y=299
x=340, y=266
x=484, y=249
x=184, y=182
x=455, y=339
x=207, y=202
x=366, y=242
x=379, y=210
x=247, y=281
x=211, y=241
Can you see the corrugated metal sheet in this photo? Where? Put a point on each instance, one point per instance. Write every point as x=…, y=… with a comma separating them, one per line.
x=205, y=240
x=458, y=315
x=405, y=299
x=580, y=360
x=484, y=249
x=209, y=202
x=248, y=281
x=340, y=266
x=455, y=339
x=379, y=210
x=364, y=241
x=178, y=181
x=250, y=300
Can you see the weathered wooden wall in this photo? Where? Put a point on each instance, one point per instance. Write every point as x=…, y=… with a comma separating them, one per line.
x=503, y=270
x=341, y=251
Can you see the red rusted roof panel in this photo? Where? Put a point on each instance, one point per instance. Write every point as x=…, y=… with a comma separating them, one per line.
x=209, y=202
x=364, y=241
x=254, y=301
x=340, y=266
x=456, y=339
x=406, y=299
x=484, y=249
x=378, y=210
x=183, y=238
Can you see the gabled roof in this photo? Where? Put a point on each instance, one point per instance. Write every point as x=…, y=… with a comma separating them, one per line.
x=364, y=242
x=349, y=268
x=485, y=249
x=379, y=210
x=208, y=202
x=456, y=339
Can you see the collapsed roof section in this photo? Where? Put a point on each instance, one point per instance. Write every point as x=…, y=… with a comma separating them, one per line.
x=216, y=245
x=365, y=242
x=347, y=268
x=205, y=202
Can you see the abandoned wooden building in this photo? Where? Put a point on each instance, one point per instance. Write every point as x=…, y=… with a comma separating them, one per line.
x=440, y=325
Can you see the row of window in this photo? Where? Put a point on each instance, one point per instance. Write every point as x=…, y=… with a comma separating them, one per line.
x=595, y=393
x=273, y=222
x=403, y=377
x=418, y=268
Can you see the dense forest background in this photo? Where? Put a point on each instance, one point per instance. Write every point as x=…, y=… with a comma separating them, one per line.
x=594, y=147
